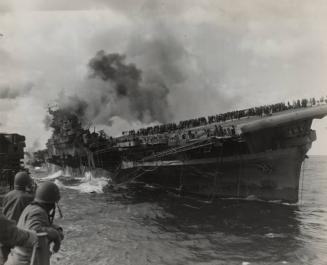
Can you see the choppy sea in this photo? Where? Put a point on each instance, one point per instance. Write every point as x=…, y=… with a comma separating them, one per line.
x=137, y=226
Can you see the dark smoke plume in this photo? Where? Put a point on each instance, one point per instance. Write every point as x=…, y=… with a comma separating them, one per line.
x=112, y=67
x=76, y=105
x=115, y=88
x=147, y=99
x=71, y=106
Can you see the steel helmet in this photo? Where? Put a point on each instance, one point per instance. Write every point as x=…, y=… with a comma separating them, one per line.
x=22, y=180
x=47, y=192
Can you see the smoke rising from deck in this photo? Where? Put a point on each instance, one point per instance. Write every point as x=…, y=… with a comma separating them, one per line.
x=146, y=100
x=115, y=89
x=163, y=84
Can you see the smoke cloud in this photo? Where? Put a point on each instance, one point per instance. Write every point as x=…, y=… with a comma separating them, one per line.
x=112, y=67
x=164, y=84
x=115, y=88
x=146, y=99
x=8, y=92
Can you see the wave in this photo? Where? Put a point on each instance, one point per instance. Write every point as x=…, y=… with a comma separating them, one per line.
x=90, y=182
x=55, y=175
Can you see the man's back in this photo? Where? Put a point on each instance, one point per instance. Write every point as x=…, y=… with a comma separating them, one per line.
x=14, y=203
x=35, y=218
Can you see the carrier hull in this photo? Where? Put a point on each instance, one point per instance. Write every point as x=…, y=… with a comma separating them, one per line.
x=271, y=175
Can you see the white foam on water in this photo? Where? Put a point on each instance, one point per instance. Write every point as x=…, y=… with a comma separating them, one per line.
x=67, y=172
x=89, y=183
x=55, y=175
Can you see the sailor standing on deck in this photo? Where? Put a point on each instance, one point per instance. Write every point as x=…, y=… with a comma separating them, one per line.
x=14, y=202
x=38, y=216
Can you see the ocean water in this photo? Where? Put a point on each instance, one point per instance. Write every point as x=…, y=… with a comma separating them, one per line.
x=147, y=226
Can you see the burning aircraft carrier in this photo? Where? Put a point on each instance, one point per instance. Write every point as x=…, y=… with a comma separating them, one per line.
x=257, y=151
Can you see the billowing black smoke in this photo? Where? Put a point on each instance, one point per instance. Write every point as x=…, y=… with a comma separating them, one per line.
x=77, y=106
x=146, y=99
x=171, y=85
x=115, y=88
x=112, y=67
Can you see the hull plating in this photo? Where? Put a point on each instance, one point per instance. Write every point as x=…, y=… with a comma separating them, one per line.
x=271, y=175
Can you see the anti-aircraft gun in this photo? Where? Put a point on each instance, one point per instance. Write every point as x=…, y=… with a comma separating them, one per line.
x=11, y=155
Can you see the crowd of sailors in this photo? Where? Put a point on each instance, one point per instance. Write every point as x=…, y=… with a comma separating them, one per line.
x=261, y=111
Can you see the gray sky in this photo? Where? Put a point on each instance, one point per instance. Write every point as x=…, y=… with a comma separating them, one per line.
x=214, y=56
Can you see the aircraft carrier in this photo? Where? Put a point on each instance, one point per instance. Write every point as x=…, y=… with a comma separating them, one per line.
x=251, y=152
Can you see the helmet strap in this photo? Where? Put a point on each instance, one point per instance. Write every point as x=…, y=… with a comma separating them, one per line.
x=51, y=211
x=52, y=214
x=59, y=210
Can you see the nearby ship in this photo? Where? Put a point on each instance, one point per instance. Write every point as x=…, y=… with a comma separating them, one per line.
x=252, y=152
x=11, y=156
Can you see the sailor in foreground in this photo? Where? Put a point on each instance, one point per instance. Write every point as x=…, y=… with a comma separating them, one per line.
x=10, y=235
x=14, y=202
x=38, y=216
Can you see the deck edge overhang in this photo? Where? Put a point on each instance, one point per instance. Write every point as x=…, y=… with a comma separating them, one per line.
x=317, y=112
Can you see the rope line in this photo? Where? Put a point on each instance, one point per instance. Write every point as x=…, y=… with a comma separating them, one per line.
x=302, y=180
